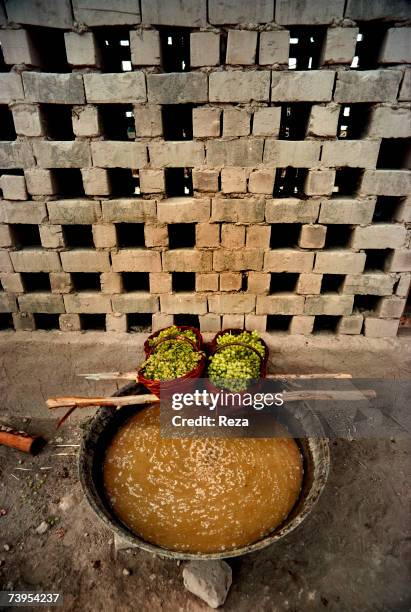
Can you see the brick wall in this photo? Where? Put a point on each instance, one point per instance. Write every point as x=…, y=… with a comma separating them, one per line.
x=223, y=162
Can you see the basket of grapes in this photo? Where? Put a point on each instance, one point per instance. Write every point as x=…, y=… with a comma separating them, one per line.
x=237, y=361
x=173, y=331
x=172, y=365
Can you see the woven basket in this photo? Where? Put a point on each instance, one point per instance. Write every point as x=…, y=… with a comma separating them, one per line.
x=178, y=385
x=199, y=343
x=213, y=346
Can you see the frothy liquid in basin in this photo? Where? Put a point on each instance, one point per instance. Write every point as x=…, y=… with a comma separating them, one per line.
x=199, y=495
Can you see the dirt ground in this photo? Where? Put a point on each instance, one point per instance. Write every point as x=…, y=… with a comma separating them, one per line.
x=352, y=553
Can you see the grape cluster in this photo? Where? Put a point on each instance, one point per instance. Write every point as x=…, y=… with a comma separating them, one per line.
x=172, y=359
x=234, y=367
x=172, y=332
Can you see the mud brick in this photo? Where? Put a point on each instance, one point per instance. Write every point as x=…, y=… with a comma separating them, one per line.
x=86, y=121
x=401, y=261
x=230, y=281
x=6, y=238
x=367, y=86
x=390, y=122
x=380, y=328
x=207, y=282
x=238, y=261
x=267, y=121
x=204, y=49
x=15, y=154
x=187, y=260
x=379, y=236
x=145, y=47
x=11, y=87
x=129, y=87
x=5, y=262
x=111, y=282
x=299, y=154
x=87, y=303
x=231, y=11
x=148, y=121
x=241, y=47
x=369, y=284
x=161, y=320
x=323, y=120
x=403, y=285
x=231, y=304
x=301, y=324
x=97, y=13
x=60, y=282
x=352, y=153
x=27, y=120
x=155, y=235
x=405, y=89
x=22, y=212
x=129, y=210
x=255, y=322
x=235, y=86
x=41, y=302
x=23, y=321
x=291, y=210
x=261, y=181
x=386, y=182
x=186, y=303
x=350, y=324
x=391, y=307
x=233, y=321
x=183, y=210
x=137, y=301
x=285, y=303
x=292, y=12
x=329, y=305
x=210, y=323
x=41, y=13
x=75, y=212
x=51, y=236
x=70, y=322
x=117, y=154
x=302, y=86
x=13, y=187
x=234, y=180
x=339, y=47
x=309, y=284
x=95, y=181
x=396, y=48
x=247, y=210
x=116, y=322
x=11, y=282
x=160, y=282
x=136, y=260
x=236, y=122
x=258, y=283
x=379, y=9
x=53, y=88
x=18, y=48
x=274, y=47
x=232, y=236
x=339, y=262
x=81, y=49
x=207, y=235
x=206, y=122
x=312, y=236
x=346, y=210
x=319, y=182
x=258, y=236
x=7, y=303
x=189, y=13
x=85, y=260
x=176, y=154
x=205, y=180
x=39, y=182
x=104, y=235
x=63, y=154
x=288, y=260
x=177, y=88
x=241, y=153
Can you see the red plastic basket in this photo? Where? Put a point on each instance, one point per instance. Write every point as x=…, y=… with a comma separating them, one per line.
x=199, y=343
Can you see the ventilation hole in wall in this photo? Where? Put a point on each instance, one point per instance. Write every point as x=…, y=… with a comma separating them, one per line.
x=139, y=322
x=289, y=182
x=1, y=286
x=377, y=259
x=395, y=153
x=347, y=181
x=124, y=182
x=67, y=182
x=35, y=281
x=78, y=236
x=7, y=130
x=175, y=49
x=177, y=121
x=6, y=321
x=284, y=235
x=244, y=282
x=50, y=48
x=183, y=281
x=135, y=281
x=294, y=121
x=283, y=281
x=353, y=121
x=326, y=324
x=117, y=121
x=386, y=209
x=85, y=281
x=187, y=319
x=179, y=182
x=57, y=121
x=332, y=283
x=366, y=304
x=24, y=236
x=369, y=42
x=130, y=234
x=46, y=321
x=181, y=235
x=338, y=236
x=114, y=48
x=278, y=322
x=93, y=322
x=223, y=47
x=405, y=321
x=305, y=48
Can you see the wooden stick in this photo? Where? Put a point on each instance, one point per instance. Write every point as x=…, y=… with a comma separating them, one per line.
x=20, y=440
x=133, y=376
x=289, y=396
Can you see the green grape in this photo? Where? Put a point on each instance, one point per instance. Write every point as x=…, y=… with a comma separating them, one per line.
x=172, y=332
x=235, y=366
x=171, y=360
